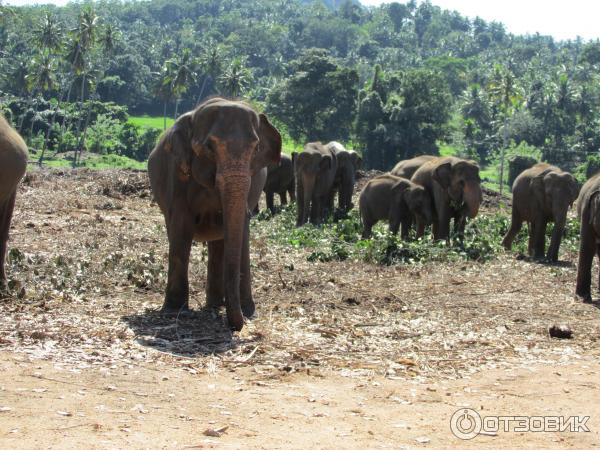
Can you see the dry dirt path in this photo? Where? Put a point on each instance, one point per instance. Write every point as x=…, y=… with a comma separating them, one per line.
x=143, y=407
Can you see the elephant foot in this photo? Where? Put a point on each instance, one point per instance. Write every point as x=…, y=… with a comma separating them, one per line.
x=248, y=308
x=215, y=302
x=235, y=319
x=584, y=298
x=174, y=305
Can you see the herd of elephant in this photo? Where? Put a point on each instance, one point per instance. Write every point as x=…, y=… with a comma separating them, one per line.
x=209, y=169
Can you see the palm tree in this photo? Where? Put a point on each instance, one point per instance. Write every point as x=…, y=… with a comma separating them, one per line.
x=211, y=65
x=48, y=34
x=84, y=37
x=163, y=89
x=182, y=74
x=506, y=95
x=236, y=78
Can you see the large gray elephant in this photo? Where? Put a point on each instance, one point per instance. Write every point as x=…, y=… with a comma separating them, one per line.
x=314, y=168
x=13, y=163
x=348, y=163
x=398, y=200
x=207, y=173
x=455, y=187
x=281, y=181
x=588, y=211
x=541, y=194
x=408, y=167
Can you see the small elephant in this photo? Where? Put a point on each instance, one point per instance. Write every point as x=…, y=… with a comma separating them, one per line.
x=348, y=163
x=455, y=188
x=588, y=211
x=13, y=164
x=398, y=200
x=408, y=167
x=206, y=174
x=541, y=194
x=280, y=180
x=314, y=169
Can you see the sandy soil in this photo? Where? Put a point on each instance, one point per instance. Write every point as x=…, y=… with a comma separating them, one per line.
x=167, y=407
x=341, y=355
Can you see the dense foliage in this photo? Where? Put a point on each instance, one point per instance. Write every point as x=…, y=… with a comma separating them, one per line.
x=397, y=80
x=342, y=240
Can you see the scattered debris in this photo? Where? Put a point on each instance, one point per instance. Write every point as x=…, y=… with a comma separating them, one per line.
x=560, y=331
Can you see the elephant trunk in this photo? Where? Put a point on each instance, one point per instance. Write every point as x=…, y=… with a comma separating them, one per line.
x=234, y=190
x=346, y=190
x=472, y=196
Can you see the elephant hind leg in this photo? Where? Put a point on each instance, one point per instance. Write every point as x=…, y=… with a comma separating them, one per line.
x=282, y=198
x=587, y=245
x=6, y=212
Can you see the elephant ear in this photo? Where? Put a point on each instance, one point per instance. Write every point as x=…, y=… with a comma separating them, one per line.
x=400, y=187
x=574, y=187
x=443, y=174
x=269, y=145
x=177, y=142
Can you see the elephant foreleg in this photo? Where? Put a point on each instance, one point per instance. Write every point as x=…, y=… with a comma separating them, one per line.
x=515, y=226
x=405, y=230
x=270, y=201
x=282, y=198
x=215, y=283
x=420, y=229
x=587, y=245
x=6, y=212
x=557, y=234
x=539, y=237
x=180, y=244
x=292, y=193
x=442, y=231
x=246, y=301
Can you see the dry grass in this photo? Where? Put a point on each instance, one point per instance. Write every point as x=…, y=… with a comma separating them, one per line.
x=88, y=269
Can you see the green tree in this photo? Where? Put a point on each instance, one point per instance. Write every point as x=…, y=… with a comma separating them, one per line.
x=318, y=101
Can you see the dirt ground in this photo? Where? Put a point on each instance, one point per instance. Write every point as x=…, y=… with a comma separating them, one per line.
x=341, y=354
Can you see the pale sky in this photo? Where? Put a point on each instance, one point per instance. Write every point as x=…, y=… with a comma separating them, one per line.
x=558, y=18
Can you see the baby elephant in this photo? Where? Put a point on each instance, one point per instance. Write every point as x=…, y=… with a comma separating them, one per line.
x=588, y=211
x=280, y=180
x=541, y=194
x=398, y=200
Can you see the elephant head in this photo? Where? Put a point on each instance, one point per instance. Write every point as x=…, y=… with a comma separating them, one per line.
x=222, y=144
x=310, y=166
x=555, y=191
x=460, y=178
x=416, y=198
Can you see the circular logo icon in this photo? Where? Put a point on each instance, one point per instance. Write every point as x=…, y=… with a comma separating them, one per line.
x=465, y=424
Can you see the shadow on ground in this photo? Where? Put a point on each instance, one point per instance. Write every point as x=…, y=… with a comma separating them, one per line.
x=190, y=333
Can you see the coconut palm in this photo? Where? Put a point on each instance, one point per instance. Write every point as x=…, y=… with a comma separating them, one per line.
x=183, y=74
x=235, y=78
x=48, y=34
